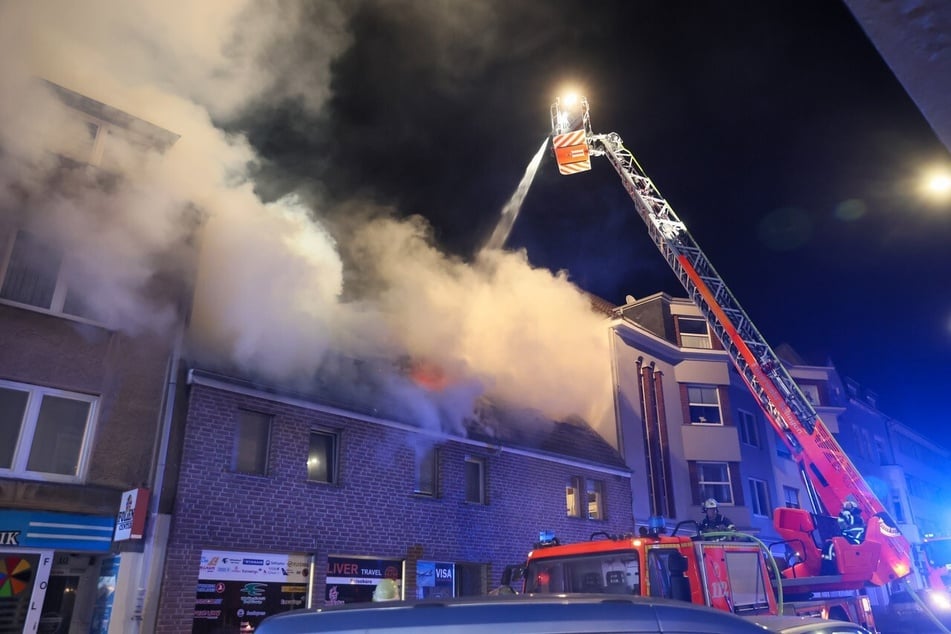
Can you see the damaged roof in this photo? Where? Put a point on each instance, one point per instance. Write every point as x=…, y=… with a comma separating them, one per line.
x=384, y=390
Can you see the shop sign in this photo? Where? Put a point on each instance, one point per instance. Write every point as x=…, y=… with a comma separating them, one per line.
x=353, y=579
x=435, y=580
x=236, y=590
x=48, y=530
x=23, y=581
x=130, y=521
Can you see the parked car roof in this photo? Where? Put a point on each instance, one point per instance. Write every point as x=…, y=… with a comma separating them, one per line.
x=806, y=625
x=527, y=614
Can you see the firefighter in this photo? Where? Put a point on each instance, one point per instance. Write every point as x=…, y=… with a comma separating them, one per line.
x=851, y=524
x=386, y=590
x=713, y=520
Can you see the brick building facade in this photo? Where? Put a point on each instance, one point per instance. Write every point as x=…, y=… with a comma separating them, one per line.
x=372, y=507
x=81, y=397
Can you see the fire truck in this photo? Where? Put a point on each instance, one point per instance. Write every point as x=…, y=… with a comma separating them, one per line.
x=737, y=574
x=934, y=560
x=729, y=571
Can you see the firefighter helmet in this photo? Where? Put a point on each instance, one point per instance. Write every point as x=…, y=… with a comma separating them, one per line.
x=710, y=504
x=850, y=506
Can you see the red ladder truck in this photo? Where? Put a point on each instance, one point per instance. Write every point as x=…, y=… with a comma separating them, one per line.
x=828, y=475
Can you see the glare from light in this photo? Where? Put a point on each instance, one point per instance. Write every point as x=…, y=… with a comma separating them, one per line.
x=936, y=184
x=940, y=183
x=940, y=600
x=570, y=99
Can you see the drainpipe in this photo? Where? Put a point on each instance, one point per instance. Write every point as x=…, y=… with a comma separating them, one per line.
x=153, y=559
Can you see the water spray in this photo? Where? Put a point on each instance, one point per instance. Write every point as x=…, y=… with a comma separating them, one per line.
x=510, y=211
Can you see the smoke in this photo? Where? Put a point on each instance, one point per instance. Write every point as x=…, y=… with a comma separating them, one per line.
x=275, y=289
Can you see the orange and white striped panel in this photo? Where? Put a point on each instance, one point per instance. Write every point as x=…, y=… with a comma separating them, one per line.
x=571, y=152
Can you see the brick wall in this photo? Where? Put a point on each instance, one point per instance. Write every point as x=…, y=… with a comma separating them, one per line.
x=126, y=373
x=371, y=511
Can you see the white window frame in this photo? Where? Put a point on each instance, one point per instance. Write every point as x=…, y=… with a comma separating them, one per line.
x=691, y=403
x=759, y=497
x=694, y=340
x=791, y=497
x=702, y=484
x=480, y=463
x=749, y=429
x=811, y=392
x=57, y=301
x=24, y=442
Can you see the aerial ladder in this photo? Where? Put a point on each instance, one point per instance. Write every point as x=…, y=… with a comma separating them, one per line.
x=829, y=477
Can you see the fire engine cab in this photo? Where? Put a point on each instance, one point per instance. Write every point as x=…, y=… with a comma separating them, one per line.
x=729, y=575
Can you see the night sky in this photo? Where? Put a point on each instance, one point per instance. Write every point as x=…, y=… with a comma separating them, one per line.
x=774, y=129
x=350, y=158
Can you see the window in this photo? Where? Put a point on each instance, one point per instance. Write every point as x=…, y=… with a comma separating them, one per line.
x=475, y=480
x=47, y=433
x=749, y=432
x=584, y=497
x=897, y=506
x=881, y=450
x=759, y=498
x=573, y=497
x=33, y=274
x=713, y=481
x=251, y=441
x=427, y=472
x=694, y=333
x=704, y=404
x=791, y=497
x=783, y=451
x=595, y=497
x=322, y=457
x=811, y=392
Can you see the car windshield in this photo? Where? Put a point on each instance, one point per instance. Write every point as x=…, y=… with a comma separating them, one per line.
x=615, y=572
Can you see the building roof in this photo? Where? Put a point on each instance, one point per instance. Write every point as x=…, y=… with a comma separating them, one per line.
x=382, y=390
x=160, y=138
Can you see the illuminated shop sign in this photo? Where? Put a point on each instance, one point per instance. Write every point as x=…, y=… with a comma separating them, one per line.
x=236, y=590
x=353, y=579
x=130, y=521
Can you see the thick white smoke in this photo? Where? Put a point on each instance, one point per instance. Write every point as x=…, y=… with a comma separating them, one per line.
x=270, y=276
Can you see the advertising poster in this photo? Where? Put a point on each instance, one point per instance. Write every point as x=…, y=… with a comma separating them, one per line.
x=236, y=590
x=353, y=579
x=105, y=593
x=23, y=580
x=435, y=580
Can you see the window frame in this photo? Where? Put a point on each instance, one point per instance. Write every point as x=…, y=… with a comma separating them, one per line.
x=791, y=497
x=268, y=420
x=705, y=338
x=333, y=473
x=759, y=497
x=26, y=434
x=573, y=496
x=748, y=428
x=599, y=514
x=61, y=289
x=702, y=484
x=812, y=393
x=431, y=457
x=691, y=404
x=480, y=463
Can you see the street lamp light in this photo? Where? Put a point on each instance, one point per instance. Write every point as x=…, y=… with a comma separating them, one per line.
x=937, y=184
